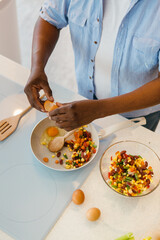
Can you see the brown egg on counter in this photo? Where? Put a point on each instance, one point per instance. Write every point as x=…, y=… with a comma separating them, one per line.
x=93, y=214
x=78, y=196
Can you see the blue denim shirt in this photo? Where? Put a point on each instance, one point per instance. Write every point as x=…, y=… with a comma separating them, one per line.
x=136, y=52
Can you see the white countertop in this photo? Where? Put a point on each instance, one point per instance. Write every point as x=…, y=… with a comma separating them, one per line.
x=119, y=215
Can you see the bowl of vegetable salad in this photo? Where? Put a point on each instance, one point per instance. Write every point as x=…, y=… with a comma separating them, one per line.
x=130, y=168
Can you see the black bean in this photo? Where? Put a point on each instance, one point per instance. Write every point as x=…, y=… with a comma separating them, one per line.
x=134, y=191
x=112, y=172
x=61, y=161
x=148, y=181
x=131, y=162
x=146, y=163
x=122, y=152
x=88, y=134
x=58, y=154
x=118, y=169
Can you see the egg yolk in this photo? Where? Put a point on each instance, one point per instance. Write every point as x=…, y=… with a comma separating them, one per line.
x=52, y=131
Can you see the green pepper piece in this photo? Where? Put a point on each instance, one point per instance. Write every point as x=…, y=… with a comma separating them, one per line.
x=115, y=175
x=65, y=155
x=110, y=182
x=125, y=167
x=118, y=182
x=128, y=236
x=94, y=145
x=128, y=187
x=90, y=143
x=114, y=186
x=136, y=176
x=128, y=179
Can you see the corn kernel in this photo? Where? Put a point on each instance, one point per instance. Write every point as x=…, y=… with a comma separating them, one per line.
x=68, y=166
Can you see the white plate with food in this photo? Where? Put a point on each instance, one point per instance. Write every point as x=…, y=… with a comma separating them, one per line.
x=79, y=149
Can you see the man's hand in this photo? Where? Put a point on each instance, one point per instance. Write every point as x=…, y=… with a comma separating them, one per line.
x=36, y=82
x=45, y=38
x=75, y=114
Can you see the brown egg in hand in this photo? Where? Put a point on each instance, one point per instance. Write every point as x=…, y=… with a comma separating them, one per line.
x=78, y=196
x=93, y=214
x=49, y=106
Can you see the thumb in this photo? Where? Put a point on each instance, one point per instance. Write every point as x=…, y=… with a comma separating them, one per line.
x=59, y=104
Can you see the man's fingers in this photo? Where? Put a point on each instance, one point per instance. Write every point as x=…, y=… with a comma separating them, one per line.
x=66, y=125
x=58, y=111
x=60, y=104
x=62, y=118
x=36, y=102
x=48, y=91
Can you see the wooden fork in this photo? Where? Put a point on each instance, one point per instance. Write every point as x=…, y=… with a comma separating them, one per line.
x=9, y=125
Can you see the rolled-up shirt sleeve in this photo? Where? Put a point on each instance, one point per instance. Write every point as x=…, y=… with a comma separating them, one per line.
x=55, y=12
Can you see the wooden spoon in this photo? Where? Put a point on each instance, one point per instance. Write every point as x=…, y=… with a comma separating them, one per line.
x=9, y=125
x=58, y=142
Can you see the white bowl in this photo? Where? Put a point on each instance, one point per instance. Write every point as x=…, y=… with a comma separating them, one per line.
x=40, y=151
x=133, y=148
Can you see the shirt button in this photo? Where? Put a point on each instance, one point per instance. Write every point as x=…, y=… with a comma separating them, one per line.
x=97, y=19
x=90, y=91
x=95, y=42
x=92, y=60
x=90, y=77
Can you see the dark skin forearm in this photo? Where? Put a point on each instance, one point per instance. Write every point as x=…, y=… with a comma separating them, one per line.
x=75, y=114
x=146, y=96
x=45, y=38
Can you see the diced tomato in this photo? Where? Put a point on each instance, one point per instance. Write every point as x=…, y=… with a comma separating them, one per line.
x=122, y=152
x=45, y=159
x=86, y=144
x=94, y=150
x=131, y=169
x=76, y=135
